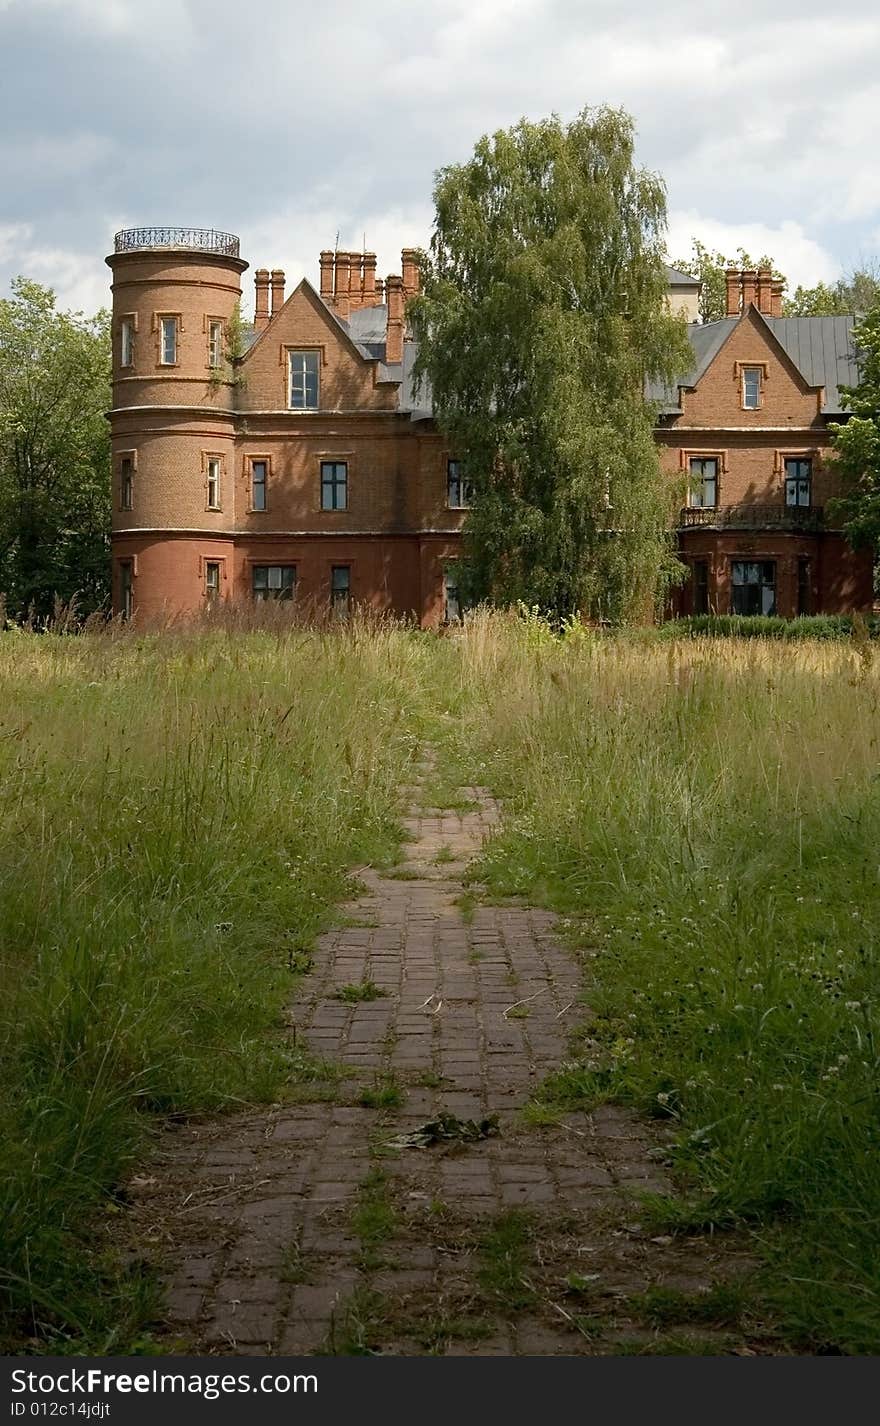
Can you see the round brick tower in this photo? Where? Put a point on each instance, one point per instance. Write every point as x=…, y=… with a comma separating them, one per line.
x=175, y=300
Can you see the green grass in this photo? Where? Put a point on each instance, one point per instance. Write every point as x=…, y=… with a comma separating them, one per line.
x=363, y=990
x=384, y=1093
x=709, y=811
x=374, y=1219
x=504, y=1257
x=177, y=816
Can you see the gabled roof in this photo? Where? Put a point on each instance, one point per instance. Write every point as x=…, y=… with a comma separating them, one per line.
x=676, y=278
x=365, y=330
x=820, y=347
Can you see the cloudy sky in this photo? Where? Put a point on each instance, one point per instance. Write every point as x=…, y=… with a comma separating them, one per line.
x=289, y=123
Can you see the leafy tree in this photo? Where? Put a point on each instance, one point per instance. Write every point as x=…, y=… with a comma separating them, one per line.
x=711, y=268
x=857, y=291
x=857, y=442
x=54, y=452
x=542, y=314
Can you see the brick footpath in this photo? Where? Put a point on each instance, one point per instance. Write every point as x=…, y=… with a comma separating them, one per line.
x=255, y=1215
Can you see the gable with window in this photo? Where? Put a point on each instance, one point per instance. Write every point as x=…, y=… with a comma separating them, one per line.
x=303, y=389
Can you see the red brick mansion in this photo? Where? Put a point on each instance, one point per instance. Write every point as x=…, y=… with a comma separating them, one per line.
x=309, y=466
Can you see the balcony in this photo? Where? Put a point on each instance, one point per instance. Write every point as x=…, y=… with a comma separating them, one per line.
x=205, y=240
x=793, y=518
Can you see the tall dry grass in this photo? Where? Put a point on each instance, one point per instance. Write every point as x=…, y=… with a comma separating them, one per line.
x=712, y=810
x=177, y=814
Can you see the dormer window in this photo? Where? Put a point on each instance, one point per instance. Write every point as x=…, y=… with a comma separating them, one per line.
x=751, y=388
x=304, y=381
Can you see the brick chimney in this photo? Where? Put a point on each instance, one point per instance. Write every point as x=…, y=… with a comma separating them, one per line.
x=355, y=280
x=750, y=287
x=261, y=309
x=410, y=265
x=277, y=290
x=765, y=291
x=776, y=298
x=734, y=291
x=341, y=285
x=380, y=291
x=369, y=280
x=394, y=330
x=327, y=275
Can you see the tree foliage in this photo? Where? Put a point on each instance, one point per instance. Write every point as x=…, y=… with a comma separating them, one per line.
x=857, y=442
x=54, y=452
x=856, y=291
x=542, y=313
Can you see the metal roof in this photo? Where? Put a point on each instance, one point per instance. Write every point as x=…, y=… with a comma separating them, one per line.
x=676, y=278
x=820, y=347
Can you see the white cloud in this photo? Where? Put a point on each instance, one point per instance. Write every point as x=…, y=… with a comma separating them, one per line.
x=803, y=260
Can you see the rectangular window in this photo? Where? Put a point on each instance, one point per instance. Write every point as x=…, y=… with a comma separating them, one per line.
x=215, y=343
x=703, y=488
x=334, y=485
x=258, y=484
x=751, y=380
x=798, y=480
x=753, y=587
x=212, y=580
x=804, y=587
x=213, y=482
x=459, y=491
x=700, y=574
x=126, y=483
x=304, y=381
x=273, y=581
x=126, y=342
x=126, y=590
x=340, y=589
x=451, y=601
x=168, y=334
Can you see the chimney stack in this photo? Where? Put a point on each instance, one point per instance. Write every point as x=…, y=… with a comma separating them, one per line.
x=765, y=291
x=277, y=290
x=341, y=284
x=327, y=275
x=369, y=280
x=394, y=329
x=410, y=266
x=776, y=298
x=750, y=287
x=261, y=311
x=734, y=291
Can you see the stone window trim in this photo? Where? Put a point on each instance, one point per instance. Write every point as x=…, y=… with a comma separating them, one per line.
x=130, y=319
x=121, y=457
x=158, y=319
x=212, y=559
x=207, y=457
x=811, y=453
x=208, y=323
x=740, y=368
x=132, y=560
x=700, y=453
x=249, y=460
x=285, y=348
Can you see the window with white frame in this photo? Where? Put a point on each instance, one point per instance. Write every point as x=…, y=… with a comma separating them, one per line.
x=168, y=341
x=212, y=482
x=215, y=343
x=751, y=388
x=212, y=580
x=126, y=588
x=126, y=341
x=303, y=394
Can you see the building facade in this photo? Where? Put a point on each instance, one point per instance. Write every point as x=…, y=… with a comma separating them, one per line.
x=294, y=457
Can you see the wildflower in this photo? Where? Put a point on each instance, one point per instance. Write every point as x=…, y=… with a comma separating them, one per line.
x=852, y=1005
